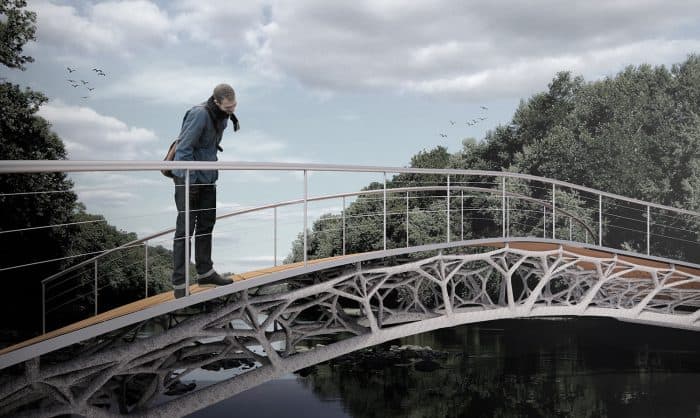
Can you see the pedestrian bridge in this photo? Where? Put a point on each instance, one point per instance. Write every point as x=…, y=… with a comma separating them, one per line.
x=273, y=321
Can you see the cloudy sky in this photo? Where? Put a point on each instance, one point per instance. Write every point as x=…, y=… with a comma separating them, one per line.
x=365, y=82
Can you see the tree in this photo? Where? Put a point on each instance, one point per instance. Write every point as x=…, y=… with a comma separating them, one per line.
x=40, y=217
x=121, y=274
x=17, y=27
x=30, y=205
x=636, y=134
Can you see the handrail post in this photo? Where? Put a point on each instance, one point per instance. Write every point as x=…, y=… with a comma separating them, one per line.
x=43, y=307
x=275, y=236
x=385, y=211
x=462, y=227
x=407, y=219
x=145, y=262
x=187, y=232
x=507, y=216
x=554, y=211
x=95, y=287
x=544, y=221
x=504, y=206
x=600, y=220
x=306, y=213
x=648, y=230
x=448, y=208
x=571, y=231
x=343, y=225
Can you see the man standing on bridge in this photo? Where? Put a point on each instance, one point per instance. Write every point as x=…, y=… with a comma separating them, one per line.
x=200, y=136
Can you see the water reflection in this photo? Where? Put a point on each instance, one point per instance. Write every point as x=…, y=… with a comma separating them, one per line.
x=512, y=368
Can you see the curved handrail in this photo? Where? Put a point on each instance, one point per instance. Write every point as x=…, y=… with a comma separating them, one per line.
x=499, y=179
x=36, y=166
x=316, y=199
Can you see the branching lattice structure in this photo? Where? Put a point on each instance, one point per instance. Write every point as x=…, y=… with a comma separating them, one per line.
x=261, y=333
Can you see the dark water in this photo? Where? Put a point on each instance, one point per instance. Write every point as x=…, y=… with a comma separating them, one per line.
x=515, y=368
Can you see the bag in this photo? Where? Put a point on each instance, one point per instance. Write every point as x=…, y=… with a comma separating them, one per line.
x=170, y=156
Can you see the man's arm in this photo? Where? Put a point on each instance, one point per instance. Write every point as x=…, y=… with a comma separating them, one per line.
x=192, y=128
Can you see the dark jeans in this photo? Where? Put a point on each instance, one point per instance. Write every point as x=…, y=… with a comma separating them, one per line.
x=202, y=219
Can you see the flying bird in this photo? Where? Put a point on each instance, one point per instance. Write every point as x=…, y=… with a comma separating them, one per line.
x=74, y=85
x=70, y=70
x=452, y=122
x=71, y=81
x=84, y=82
x=443, y=135
x=84, y=97
x=484, y=107
x=90, y=88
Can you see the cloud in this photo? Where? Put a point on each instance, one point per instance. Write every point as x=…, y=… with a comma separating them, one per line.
x=478, y=48
x=257, y=145
x=531, y=75
x=218, y=22
x=175, y=83
x=107, y=198
x=111, y=27
x=89, y=135
x=471, y=50
x=253, y=145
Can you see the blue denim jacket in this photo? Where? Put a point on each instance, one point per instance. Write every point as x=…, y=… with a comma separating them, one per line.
x=198, y=141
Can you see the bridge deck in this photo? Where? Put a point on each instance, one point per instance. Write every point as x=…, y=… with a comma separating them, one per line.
x=530, y=246
x=142, y=304
x=640, y=261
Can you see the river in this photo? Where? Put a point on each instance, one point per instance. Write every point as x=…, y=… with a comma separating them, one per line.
x=578, y=367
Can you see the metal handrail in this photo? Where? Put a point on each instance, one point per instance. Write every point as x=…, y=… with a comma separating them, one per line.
x=39, y=166
x=500, y=177
x=134, y=243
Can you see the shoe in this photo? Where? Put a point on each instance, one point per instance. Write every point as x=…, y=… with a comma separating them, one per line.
x=179, y=293
x=214, y=279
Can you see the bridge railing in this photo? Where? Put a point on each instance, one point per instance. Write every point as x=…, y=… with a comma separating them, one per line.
x=415, y=207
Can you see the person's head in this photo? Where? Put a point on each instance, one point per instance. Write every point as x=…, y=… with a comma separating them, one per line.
x=225, y=98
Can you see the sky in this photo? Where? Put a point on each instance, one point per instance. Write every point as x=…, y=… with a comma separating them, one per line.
x=363, y=82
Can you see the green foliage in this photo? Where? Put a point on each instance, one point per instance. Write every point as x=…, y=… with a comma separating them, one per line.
x=40, y=217
x=17, y=27
x=636, y=134
x=24, y=135
x=120, y=275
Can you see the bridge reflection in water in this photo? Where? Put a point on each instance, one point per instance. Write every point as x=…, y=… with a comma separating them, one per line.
x=261, y=332
x=553, y=367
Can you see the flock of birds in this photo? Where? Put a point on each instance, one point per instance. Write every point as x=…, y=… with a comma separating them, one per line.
x=83, y=83
x=470, y=122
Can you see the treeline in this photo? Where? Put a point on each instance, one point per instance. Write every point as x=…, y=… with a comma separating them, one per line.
x=636, y=134
x=41, y=218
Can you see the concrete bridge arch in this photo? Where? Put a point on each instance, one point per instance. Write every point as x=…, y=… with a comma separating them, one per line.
x=265, y=327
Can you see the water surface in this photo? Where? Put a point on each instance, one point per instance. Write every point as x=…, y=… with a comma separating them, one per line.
x=581, y=367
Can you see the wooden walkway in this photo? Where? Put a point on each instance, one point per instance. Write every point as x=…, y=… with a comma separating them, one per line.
x=166, y=296
x=142, y=304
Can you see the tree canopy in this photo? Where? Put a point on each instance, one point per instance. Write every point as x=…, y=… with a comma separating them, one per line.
x=635, y=134
x=17, y=27
x=41, y=218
